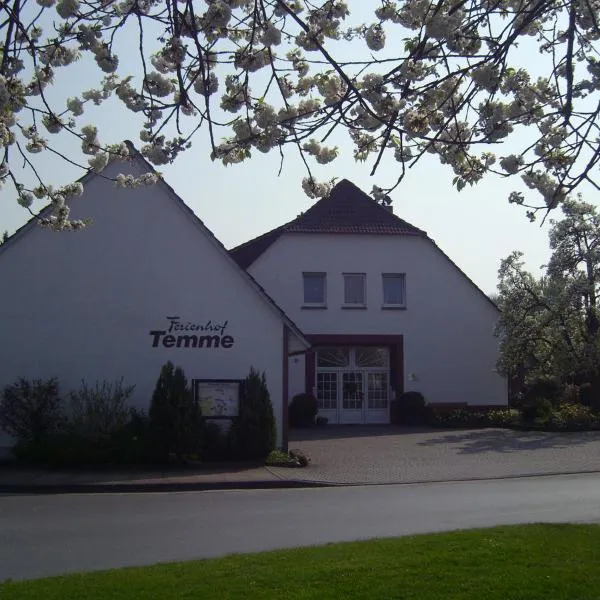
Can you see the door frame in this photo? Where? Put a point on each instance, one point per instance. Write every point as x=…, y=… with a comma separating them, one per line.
x=395, y=343
x=395, y=370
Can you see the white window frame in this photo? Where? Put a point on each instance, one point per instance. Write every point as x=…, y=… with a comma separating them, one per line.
x=323, y=276
x=389, y=276
x=362, y=304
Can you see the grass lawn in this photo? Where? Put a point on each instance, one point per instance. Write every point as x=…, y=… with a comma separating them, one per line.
x=548, y=562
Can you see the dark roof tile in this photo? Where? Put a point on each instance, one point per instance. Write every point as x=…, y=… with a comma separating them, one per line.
x=347, y=209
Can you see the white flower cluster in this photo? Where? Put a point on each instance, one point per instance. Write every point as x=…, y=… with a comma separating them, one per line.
x=452, y=82
x=314, y=189
x=322, y=154
x=129, y=181
x=511, y=164
x=375, y=37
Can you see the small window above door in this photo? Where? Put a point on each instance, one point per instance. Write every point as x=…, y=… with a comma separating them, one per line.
x=333, y=357
x=371, y=357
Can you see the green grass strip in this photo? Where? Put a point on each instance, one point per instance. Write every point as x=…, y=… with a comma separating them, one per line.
x=545, y=562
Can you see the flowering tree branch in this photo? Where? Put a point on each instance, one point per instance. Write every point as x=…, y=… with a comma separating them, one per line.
x=264, y=75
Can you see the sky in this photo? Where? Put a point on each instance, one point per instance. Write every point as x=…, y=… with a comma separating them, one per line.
x=476, y=227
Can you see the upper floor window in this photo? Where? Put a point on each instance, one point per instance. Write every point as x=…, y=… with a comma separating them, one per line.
x=314, y=289
x=354, y=289
x=394, y=290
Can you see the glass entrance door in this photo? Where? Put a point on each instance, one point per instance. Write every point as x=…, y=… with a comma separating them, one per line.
x=352, y=384
x=352, y=409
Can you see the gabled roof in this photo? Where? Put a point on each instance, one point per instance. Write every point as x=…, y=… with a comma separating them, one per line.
x=135, y=155
x=347, y=209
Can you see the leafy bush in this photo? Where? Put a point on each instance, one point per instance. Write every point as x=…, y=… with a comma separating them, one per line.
x=174, y=415
x=458, y=417
x=293, y=459
x=574, y=417
x=411, y=409
x=303, y=410
x=547, y=388
x=463, y=417
x=31, y=411
x=215, y=442
x=253, y=433
x=503, y=417
x=127, y=445
x=536, y=410
x=101, y=411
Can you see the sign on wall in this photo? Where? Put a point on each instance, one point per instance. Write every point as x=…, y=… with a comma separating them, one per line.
x=218, y=398
x=178, y=333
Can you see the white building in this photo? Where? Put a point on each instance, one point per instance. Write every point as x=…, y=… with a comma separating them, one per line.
x=385, y=309
x=145, y=283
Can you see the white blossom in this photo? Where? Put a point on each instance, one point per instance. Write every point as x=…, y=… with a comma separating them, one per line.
x=511, y=164
x=99, y=161
x=158, y=85
x=25, y=199
x=271, y=36
x=314, y=189
x=67, y=8
x=75, y=105
x=375, y=37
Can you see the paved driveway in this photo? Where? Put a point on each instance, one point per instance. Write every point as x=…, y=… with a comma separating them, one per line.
x=390, y=454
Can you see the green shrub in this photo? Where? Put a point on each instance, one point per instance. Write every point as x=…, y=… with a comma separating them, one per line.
x=279, y=458
x=174, y=416
x=463, y=417
x=547, y=388
x=31, y=411
x=303, y=410
x=216, y=442
x=574, y=417
x=293, y=459
x=503, y=417
x=253, y=433
x=536, y=411
x=458, y=417
x=128, y=445
x=101, y=411
x=411, y=409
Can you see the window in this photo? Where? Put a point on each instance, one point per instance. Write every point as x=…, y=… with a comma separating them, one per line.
x=377, y=390
x=371, y=357
x=314, y=289
x=394, y=290
x=354, y=289
x=327, y=391
x=333, y=357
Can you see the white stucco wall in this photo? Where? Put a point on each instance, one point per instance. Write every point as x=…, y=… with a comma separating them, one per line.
x=80, y=305
x=447, y=325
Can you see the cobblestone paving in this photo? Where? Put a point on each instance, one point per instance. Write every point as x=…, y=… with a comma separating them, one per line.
x=389, y=454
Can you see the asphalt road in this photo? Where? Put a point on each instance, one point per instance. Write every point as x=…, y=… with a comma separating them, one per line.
x=49, y=535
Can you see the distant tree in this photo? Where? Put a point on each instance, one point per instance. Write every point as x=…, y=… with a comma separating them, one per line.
x=4, y=237
x=550, y=325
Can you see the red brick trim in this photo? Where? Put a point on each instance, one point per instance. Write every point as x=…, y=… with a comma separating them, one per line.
x=343, y=339
x=310, y=371
x=394, y=342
